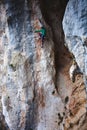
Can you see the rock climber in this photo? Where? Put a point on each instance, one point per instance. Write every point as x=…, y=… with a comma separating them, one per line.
x=42, y=33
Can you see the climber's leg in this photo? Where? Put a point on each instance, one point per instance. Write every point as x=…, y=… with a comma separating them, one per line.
x=42, y=40
x=40, y=35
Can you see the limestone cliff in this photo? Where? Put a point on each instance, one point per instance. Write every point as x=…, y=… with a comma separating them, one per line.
x=43, y=84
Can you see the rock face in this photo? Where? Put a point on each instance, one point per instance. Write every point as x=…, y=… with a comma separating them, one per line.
x=36, y=92
x=74, y=26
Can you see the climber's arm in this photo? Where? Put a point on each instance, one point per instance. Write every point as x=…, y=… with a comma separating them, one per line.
x=37, y=31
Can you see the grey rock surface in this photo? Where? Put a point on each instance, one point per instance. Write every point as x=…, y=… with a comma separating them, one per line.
x=75, y=30
x=36, y=92
x=28, y=70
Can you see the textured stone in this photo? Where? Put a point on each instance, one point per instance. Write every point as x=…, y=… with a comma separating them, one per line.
x=36, y=92
x=74, y=26
x=29, y=71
